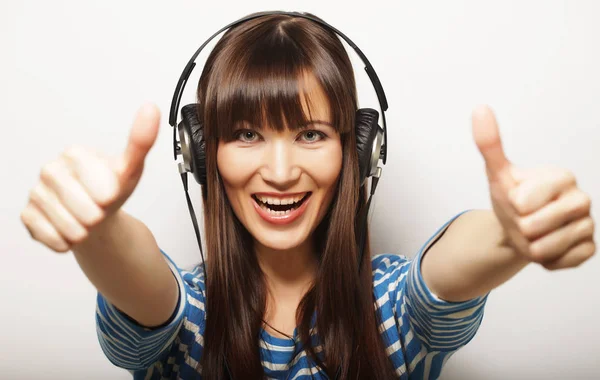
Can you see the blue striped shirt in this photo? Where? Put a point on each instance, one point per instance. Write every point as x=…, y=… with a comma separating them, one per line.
x=430, y=328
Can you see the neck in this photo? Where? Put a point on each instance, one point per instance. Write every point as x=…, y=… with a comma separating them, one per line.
x=289, y=268
x=288, y=273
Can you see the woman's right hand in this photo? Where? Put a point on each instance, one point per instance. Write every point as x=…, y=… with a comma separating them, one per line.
x=82, y=188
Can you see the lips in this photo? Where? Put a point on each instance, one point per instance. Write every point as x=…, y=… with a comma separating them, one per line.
x=280, y=209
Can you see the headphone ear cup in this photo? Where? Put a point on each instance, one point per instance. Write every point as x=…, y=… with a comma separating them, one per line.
x=366, y=128
x=366, y=135
x=193, y=142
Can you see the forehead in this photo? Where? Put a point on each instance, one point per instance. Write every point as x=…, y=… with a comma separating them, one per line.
x=280, y=105
x=278, y=100
x=312, y=100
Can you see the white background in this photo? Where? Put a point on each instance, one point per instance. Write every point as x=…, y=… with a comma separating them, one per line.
x=75, y=72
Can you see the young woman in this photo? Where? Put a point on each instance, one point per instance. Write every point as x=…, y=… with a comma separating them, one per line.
x=282, y=296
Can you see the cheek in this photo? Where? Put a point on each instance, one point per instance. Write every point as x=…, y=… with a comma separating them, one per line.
x=327, y=166
x=324, y=169
x=234, y=168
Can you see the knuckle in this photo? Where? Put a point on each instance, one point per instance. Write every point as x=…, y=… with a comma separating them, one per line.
x=587, y=226
x=26, y=219
x=49, y=171
x=98, y=216
x=578, y=263
x=53, y=241
x=73, y=151
x=581, y=204
x=24, y=216
x=60, y=246
x=78, y=236
x=585, y=201
x=519, y=204
x=36, y=194
x=550, y=267
x=108, y=194
x=71, y=229
x=591, y=251
x=584, y=252
x=536, y=253
x=569, y=177
x=525, y=227
x=56, y=242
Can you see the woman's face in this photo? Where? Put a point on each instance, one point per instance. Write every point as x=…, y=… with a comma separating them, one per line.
x=280, y=184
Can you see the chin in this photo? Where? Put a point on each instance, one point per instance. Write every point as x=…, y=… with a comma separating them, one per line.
x=279, y=240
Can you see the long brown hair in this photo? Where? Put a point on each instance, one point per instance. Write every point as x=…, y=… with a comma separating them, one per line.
x=253, y=75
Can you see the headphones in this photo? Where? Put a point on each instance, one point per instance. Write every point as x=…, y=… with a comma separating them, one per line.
x=371, y=139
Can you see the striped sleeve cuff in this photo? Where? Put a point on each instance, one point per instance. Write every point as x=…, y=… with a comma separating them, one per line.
x=132, y=346
x=439, y=324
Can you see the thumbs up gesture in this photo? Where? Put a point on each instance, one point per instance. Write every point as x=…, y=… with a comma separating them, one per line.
x=82, y=187
x=545, y=216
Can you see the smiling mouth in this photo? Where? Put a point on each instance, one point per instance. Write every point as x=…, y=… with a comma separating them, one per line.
x=274, y=205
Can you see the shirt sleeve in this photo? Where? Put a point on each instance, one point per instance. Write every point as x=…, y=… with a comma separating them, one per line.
x=430, y=329
x=129, y=345
x=438, y=324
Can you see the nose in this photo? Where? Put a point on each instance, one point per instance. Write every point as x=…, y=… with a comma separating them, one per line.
x=279, y=167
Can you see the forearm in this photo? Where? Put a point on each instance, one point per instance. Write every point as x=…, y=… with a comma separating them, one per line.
x=471, y=258
x=124, y=262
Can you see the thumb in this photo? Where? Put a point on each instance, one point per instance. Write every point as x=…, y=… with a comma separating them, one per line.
x=487, y=137
x=141, y=138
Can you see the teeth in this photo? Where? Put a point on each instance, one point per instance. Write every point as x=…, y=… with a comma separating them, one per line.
x=280, y=201
x=275, y=213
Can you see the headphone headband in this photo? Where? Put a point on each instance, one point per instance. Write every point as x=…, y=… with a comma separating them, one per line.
x=368, y=68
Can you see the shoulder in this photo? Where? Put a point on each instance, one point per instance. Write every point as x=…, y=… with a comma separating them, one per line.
x=389, y=272
x=194, y=277
x=387, y=263
x=191, y=282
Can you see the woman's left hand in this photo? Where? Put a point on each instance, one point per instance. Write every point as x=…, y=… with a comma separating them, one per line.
x=545, y=216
